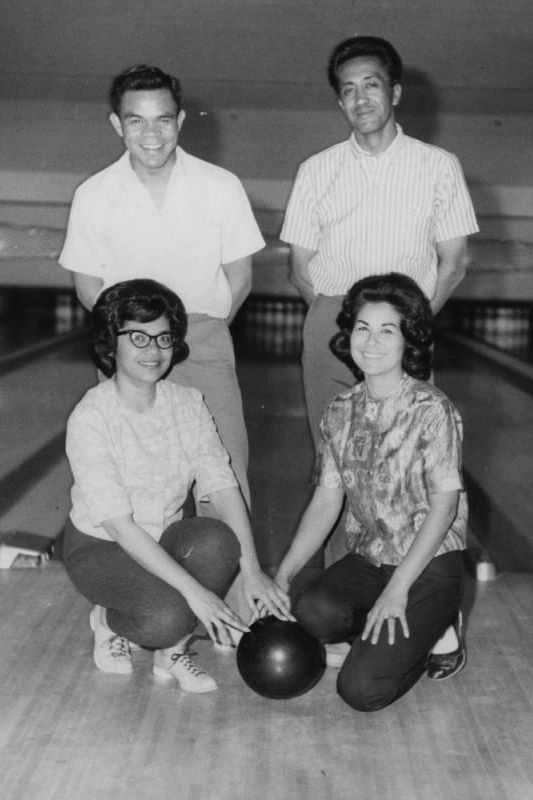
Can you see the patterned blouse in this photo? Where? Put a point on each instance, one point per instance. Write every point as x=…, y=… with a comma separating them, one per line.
x=389, y=456
x=143, y=464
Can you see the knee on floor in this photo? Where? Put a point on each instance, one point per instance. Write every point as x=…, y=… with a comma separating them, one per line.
x=363, y=691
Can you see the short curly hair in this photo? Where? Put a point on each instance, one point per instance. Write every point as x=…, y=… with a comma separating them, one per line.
x=416, y=325
x=138, y=300
x=143, y=77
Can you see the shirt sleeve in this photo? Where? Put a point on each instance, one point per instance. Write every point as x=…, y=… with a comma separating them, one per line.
x=454, y=212
x=441, y=445
x=326, y=470
x=301, y=224
x=210, y=460
x=241, y=236
x=97, y=479
x=83, y=249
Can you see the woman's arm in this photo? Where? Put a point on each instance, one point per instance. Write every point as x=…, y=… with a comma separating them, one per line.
x=261, y=592
x=392, y=602
x=315, y=525
x=206, y=605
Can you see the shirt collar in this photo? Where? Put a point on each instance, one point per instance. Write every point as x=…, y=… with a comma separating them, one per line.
x=128, y=173
x=395, y=145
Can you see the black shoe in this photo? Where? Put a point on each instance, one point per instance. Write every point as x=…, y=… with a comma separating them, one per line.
x=440, y=666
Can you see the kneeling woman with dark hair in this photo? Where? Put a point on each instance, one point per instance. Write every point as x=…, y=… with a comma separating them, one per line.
x=392, y=447
x=136, y=444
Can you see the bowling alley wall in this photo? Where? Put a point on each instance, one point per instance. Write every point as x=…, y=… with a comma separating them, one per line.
x=48, y=147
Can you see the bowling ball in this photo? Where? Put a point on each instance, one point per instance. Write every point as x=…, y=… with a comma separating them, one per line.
x=280, y=659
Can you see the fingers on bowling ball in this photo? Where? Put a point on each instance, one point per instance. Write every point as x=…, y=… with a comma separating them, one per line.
x=279, y=659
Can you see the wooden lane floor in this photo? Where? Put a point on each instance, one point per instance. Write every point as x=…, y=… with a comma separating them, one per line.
x=497, y=411
x=67, y=730
x=36, y=397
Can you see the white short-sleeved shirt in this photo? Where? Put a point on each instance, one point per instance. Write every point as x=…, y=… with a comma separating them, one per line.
x=369, y=215
x=144, y=464
x=116, y=232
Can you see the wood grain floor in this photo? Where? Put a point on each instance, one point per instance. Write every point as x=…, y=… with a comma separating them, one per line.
x=68, y=731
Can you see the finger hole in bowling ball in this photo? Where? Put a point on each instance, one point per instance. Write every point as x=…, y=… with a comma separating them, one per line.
x=279, y=659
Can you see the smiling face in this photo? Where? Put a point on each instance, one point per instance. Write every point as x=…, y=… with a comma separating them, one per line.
x=141, y=367
x=367, y=100
x=149, y=124
x=377, y=344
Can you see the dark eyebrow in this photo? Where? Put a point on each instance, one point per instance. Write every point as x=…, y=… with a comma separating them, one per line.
x=138, y=330
x=383, y=324
x=164, y=115
x=365, y=77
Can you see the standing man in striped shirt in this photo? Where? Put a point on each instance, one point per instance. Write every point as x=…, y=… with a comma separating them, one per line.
x=378, y=202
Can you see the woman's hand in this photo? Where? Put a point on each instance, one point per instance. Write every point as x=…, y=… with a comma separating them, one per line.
x=389, y=607
x=214, y=614
x=264, y=596
x=283, y=581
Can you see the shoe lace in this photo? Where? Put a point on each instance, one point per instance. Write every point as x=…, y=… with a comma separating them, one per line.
x=119, y=647
x=186, y=661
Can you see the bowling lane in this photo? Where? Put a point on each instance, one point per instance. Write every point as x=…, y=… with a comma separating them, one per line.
x=497, y=412
x=36, y=398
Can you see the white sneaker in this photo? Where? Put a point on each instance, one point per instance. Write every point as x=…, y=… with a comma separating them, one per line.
x=336, y=654
x=179, y=665
x=111, y=652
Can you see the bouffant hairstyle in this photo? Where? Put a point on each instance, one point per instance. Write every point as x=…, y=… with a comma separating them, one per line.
x=416, y=323
x=364, y=47
x=139, y=300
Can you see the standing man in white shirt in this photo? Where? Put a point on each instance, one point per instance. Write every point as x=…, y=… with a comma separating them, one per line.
x=161, y=213
x=378, y=202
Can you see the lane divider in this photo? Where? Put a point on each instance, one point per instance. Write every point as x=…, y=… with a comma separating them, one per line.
x=16, y=358
x=21, y=479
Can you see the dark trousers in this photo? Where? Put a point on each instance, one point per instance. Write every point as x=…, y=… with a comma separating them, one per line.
x=334, y=609
x=140, y=606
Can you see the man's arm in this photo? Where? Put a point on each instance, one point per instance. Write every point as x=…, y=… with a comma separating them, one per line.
x=451, y=269
x=239, y=275
x=299, y=271
x=87, y=288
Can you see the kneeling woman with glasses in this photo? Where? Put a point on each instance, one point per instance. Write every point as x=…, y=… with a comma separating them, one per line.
x=136, y=445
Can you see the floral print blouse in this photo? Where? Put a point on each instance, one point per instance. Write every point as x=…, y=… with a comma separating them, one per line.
x=389, y=456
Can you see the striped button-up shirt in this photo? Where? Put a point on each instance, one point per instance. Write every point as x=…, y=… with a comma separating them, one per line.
x=368, y=215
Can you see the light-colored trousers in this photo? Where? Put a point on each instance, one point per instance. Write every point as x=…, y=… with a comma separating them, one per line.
x=324, y=376
x=210, y=368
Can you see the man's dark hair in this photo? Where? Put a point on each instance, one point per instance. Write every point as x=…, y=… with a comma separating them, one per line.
x=142, y=78
x=365, y=47
x=137, y=300
x=416, y=320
